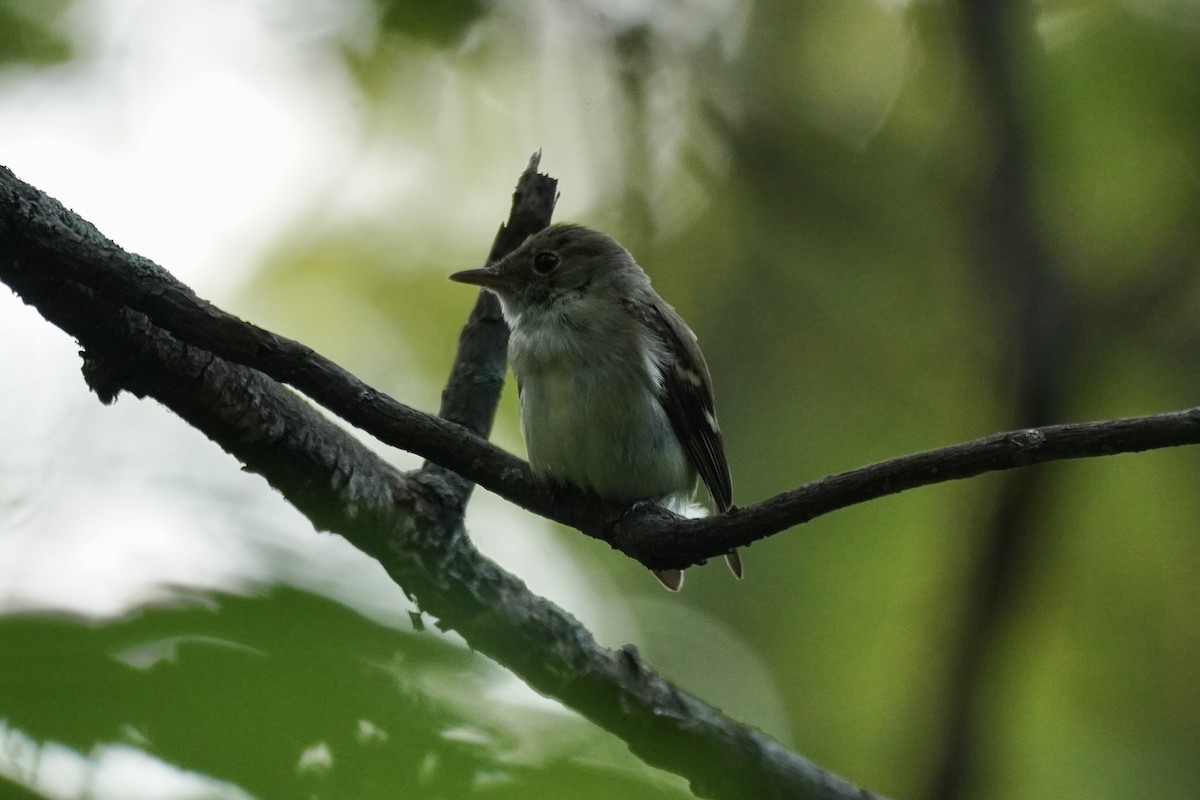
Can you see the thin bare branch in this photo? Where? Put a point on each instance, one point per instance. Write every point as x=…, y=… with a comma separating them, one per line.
x=653, y=535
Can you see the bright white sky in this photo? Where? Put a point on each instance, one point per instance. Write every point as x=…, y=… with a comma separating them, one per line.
x=182, y=131
x=189, y=131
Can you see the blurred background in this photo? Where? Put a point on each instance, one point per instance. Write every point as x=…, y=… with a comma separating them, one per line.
x=893, y=225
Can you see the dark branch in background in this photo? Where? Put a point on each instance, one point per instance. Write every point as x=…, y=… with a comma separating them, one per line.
x=411, y=529
x=1037, y=325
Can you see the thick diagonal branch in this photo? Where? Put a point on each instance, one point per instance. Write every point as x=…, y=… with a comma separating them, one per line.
x=397, y=519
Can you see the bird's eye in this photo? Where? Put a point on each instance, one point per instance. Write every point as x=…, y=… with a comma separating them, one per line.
x=545, y=263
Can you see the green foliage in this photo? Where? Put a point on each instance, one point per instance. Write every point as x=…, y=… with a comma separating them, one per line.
x=28, y=34
x=291, y=695
x=440, y=23
x=405, y=27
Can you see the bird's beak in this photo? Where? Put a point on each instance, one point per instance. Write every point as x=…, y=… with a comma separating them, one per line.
x=486, y=277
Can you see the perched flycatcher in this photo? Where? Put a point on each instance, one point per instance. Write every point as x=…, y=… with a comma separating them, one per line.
x=615, y=393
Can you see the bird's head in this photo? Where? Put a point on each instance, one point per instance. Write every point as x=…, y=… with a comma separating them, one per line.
x=561, y=264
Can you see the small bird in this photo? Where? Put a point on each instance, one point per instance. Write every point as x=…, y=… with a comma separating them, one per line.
x=615, y=394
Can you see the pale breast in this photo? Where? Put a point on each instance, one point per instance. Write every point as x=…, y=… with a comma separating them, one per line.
x=590, y=415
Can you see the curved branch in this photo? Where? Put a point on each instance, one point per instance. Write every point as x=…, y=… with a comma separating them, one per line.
x=655, y=538
x=653, y=531
x=412, y=530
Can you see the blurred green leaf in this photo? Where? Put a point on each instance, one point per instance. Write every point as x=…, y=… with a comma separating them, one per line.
x=11, y=790
x=292, y=695
x=28, y=32
x=440, y=23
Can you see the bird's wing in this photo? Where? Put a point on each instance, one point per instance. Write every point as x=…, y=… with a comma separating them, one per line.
x=686, y=396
